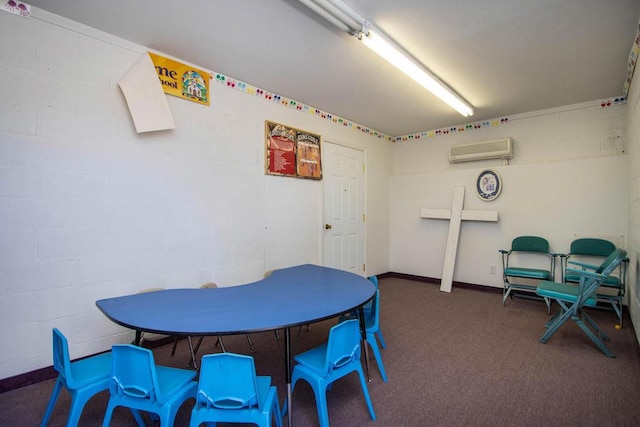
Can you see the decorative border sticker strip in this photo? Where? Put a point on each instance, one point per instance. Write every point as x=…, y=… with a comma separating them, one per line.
x=340, y=121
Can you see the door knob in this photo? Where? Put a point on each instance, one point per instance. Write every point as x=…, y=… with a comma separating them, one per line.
x=327, y=226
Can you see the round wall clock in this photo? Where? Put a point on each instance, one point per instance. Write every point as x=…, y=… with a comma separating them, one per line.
x=488, y=185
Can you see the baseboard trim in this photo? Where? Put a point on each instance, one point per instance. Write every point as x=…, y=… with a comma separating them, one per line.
x=436, y=281
x=47, y=373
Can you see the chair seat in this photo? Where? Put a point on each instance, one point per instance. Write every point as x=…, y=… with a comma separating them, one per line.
x=90, y=369
x=610, y=282
x=563, y=292
x=528, y=273
x=170, y=379
x=314, y=358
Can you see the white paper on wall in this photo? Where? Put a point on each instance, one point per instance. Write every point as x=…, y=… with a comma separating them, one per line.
x=146, y=99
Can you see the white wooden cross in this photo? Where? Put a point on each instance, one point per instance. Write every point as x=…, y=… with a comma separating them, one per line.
x=455, y=215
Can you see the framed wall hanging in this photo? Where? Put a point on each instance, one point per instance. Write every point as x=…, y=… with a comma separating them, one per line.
x=488, y=185
x=292, y=152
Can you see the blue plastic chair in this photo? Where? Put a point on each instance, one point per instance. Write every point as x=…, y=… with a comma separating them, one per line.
x=573, y=298
x=83, y=378
x=230, y=391
x=323, y=365
x=372, y=326
x=137, y=383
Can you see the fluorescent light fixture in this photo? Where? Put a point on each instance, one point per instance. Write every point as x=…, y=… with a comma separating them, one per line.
x=407, y=65
x=344, y=17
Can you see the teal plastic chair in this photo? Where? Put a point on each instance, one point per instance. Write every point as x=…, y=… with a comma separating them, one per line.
x=229, y=391
x=367, y=313
x=526, y=249
x=137, y=383
x=372, y=326
x=83, y=379
x=323, y=365
x=588, y=249
x=573, y=298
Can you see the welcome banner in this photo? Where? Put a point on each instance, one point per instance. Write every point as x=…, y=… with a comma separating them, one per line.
x=181, y=80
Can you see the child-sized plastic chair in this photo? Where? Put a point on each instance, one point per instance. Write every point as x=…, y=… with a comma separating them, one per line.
x=323, y=365
x=138, y=383
x=83, y=379
x=230, y=391
x=372, y=327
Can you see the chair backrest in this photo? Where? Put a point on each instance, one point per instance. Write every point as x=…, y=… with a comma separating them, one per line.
x=228, y=381
x=592, y=247
x=611, y=262
x=372, y=319
x=134, y=374
x=343, y=345
x=530, y=244
x=374, y=280
x=209, y=285
x=589, y=284
x=61, y=359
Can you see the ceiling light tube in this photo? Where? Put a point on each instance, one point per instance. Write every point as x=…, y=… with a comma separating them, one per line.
x=394, y=55
x=344, y=17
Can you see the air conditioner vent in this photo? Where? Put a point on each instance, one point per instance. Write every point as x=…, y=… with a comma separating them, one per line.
x=496, y=149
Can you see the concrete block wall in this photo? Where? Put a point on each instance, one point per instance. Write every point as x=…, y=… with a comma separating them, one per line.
x=90, y=209
x=633, y=246
x=568, y=177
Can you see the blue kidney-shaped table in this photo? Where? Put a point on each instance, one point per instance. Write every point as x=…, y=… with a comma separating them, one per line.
x=287, y=298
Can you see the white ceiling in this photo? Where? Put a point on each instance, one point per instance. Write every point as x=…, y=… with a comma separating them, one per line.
x=504, y=56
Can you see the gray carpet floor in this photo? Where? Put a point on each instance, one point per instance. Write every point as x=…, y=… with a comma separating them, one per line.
x=458, y=359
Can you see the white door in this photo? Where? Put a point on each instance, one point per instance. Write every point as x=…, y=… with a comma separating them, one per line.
x=343, y=177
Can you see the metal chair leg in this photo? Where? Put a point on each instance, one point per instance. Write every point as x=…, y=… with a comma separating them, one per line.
x=253, y=349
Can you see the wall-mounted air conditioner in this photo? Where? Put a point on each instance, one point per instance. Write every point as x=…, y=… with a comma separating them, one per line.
x=496, y=149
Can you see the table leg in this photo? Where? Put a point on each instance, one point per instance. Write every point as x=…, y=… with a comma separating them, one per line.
x=287, y=362
x=363, y=331
x=193, y=354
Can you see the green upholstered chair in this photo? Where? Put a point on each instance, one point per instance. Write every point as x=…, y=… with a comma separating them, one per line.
x=524, y=265
x=572, y=299
x=613, y=287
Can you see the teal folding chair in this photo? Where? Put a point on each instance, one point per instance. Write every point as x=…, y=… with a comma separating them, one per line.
x=613, y=288
x=573, y=298
x=230, y=391
x=323, y=365
x=138, y=383
x=83, y=379
x=372, y=327
x=518, y=270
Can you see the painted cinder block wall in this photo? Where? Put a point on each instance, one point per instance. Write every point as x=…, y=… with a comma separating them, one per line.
x=568, y=177
x=633, y=154
x=90, y=209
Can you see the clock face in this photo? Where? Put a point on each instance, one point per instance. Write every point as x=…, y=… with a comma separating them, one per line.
x=488, y=185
